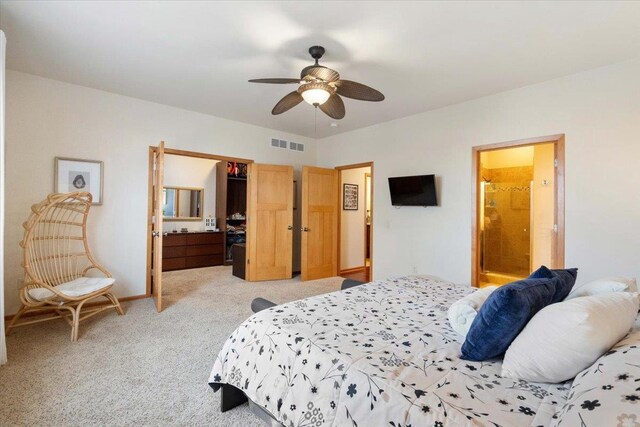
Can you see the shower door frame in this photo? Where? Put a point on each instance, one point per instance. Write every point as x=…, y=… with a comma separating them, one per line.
x=559, y=215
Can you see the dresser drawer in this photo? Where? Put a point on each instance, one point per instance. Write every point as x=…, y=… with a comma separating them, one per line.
x=204, y=250
x=173, y=264
x=174, y=240
x=204, y=238
x=203, y=260
x=173, y=251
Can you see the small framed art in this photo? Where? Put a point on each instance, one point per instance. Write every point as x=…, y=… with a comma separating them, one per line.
x=350, y=197
x=79, y=175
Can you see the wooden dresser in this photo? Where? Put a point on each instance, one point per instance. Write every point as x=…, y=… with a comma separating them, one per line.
x=192, y=250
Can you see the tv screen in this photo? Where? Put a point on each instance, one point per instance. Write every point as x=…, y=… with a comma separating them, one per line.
x=417, y=190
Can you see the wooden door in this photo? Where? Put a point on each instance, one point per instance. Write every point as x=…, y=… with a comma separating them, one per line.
x=158, y=201
x=319, y=223
x=270, y=222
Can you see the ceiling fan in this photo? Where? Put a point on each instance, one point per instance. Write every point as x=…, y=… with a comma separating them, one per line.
x=321, y=87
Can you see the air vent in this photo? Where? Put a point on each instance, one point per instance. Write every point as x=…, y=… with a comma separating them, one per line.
x=281, y=143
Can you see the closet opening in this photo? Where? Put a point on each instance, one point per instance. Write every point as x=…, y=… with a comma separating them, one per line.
x=197, y=207
x=355, y=222
x=518, y=209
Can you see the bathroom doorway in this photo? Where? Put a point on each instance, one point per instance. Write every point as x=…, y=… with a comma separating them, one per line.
x=518, y=223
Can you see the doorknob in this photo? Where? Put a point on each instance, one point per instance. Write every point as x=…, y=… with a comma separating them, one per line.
x=290, y=227
x=305, y=229
x=155, y=234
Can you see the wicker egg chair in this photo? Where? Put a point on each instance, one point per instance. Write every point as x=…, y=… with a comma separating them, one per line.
x=57, y=260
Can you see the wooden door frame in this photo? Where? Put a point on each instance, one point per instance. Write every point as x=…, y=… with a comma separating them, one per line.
x=367, y=175
x=175, y=152
x=559, y=208
x=340, y=169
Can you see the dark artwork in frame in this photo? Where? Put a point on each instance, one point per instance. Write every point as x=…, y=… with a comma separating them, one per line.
x=350, y=197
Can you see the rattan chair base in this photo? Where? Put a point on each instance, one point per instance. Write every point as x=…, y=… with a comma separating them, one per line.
x=72, y=312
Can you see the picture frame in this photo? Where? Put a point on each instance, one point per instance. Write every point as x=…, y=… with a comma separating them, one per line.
x=350, y=197
x=71, y=175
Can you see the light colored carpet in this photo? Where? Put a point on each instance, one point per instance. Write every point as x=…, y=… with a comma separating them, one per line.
x=144, y=368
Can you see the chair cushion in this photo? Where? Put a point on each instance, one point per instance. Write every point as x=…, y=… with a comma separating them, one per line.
x=504, y=314
x=75, y=288
x=567, y=278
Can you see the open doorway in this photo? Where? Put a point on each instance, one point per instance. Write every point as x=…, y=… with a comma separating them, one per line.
x=193, y=213
x=518, y=220
x=355, y=231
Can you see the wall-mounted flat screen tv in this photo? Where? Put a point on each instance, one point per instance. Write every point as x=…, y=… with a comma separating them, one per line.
x=419, y=190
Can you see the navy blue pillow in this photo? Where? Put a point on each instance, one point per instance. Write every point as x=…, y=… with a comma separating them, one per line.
x=504, y=314
x=567, y=278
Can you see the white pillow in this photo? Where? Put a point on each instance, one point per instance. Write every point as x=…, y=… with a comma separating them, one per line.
x=462, y=312
x=565, y=338
x=602, y=286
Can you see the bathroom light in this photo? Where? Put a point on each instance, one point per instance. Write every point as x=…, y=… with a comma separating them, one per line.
x=315, y=93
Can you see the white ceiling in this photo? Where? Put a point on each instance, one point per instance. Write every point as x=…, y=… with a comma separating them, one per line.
x=421, y=55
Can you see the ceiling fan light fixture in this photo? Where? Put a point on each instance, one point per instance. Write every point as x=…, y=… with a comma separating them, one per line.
x=321, y=87
x=315, y=96
x=315, y=93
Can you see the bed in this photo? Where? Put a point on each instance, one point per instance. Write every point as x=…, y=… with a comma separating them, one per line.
x=383, y=354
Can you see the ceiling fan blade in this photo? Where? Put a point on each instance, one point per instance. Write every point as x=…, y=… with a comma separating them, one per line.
x=333, y=107
x=320, y=72
x=287, y=103
x=275, y=81
x=358, y=91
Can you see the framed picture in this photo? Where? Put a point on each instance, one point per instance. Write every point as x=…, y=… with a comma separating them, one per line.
x=350, y=197
x=79, y=175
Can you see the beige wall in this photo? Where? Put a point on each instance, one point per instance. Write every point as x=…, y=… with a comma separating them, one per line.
x=181, y=171
x=352, y=223
x=47, y=118
x=507, y=158
x=543, y=205
x=597, y=110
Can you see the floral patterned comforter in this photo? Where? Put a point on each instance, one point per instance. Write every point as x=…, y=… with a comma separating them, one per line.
x=608, y=392
x=380, y=354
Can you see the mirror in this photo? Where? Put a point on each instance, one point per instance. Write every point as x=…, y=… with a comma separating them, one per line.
x=182, y=203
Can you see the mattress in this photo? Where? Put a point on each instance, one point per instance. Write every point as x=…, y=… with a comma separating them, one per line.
x=380, y=354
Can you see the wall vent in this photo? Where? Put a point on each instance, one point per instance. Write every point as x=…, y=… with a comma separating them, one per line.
x=281, y=143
